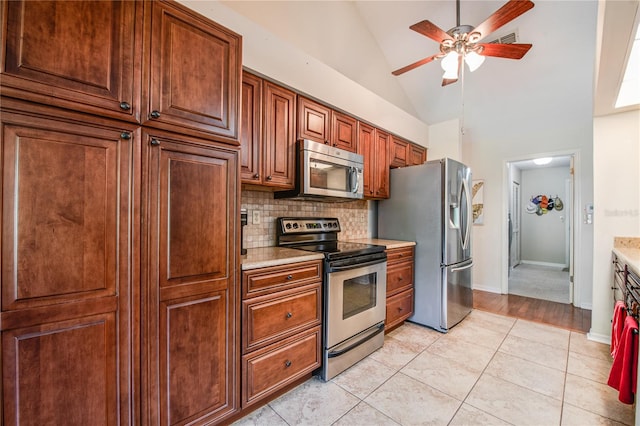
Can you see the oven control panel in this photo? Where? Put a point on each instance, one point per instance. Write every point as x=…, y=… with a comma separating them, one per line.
x=308, y=225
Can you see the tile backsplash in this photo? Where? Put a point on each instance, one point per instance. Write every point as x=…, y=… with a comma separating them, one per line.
x=353, y=216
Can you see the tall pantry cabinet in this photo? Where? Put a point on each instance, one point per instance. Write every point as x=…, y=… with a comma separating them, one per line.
x=120, y=198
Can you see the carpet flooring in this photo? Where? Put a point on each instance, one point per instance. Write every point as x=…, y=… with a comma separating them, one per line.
x=540, y=282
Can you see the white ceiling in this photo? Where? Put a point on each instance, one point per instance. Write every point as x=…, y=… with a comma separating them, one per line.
x=367, y=40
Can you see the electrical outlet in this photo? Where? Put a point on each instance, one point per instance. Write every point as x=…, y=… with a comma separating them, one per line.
x=256, y=217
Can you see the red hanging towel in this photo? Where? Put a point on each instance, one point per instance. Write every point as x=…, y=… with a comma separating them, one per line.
x=624, y=371
x=617, y=324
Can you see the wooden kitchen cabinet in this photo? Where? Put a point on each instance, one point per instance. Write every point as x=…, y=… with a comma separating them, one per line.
x=400, y=292
x=373, y=144
x=278, y=136
x=69, y=298
x=251, y=126
x=281, y=333
x=417, y=155
x=191, y=316
x=193, y=74
x=82, y=56
x=322, y=124
x=399, y=151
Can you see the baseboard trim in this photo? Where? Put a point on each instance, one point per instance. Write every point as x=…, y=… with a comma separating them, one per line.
x=487, y=289
x=600, y=338
x=552, y=265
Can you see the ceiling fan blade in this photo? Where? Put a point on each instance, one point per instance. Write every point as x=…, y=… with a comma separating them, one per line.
x=500, y=17
x=416, y=64
x=509, y=51
x=431, y=30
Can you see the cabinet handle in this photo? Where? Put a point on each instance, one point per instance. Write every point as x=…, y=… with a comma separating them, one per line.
x=269, y=178
x=256, y=176
x=287, y=363
x=289, y=315
x=125, y=135
x=125, y=106
x=289, y=277
x=155, y=114
x=155, y=142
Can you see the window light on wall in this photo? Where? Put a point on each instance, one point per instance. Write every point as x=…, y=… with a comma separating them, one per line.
x=630, y=88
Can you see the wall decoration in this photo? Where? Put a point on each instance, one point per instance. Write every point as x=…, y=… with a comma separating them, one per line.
x=477, y=201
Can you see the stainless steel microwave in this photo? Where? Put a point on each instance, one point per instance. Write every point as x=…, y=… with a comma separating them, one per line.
x=326, y=173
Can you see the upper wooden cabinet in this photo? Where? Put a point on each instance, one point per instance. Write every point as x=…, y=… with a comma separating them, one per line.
x=83, y=56
x=251, y=128
x=278, y=136
x=192, y=78
x=399, y=152
x=373, y=145
x=322, y=124
x=417, y=155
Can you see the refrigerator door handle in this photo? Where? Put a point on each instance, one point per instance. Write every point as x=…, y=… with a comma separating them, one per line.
x=462, y=268
x=465, y=214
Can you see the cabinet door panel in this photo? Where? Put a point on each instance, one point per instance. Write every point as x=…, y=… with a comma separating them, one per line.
x=382, y=164
x=366, y=136
x=314, y=121
x=190, y=358
x=279, y=136
x=191, y=315
x=61, y=373
x=198, y=93
x=76, y=54
x=344, y=131
x=61, y=197
x=250, y=138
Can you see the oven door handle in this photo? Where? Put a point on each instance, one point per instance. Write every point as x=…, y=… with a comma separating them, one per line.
x=338, y=352
x=355, y=266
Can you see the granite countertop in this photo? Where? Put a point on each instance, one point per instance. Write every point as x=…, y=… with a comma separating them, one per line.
x=390, y=244
x=273, y=256
x=628, y=250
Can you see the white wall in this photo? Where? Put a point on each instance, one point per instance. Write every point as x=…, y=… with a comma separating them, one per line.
x=616, y=204
x=543, y=237
x=445, y=141
x=267, y=54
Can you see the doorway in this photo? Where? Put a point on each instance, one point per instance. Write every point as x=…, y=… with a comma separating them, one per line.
x=540, y=261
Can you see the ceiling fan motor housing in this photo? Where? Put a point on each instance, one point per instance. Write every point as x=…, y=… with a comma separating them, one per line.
x=463, y=40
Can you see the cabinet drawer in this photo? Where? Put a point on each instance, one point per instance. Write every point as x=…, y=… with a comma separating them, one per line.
x=261, y=281
x=270, y=318
x=272, y=368
x=401, y=254
x=399, y=308
x=399, y=277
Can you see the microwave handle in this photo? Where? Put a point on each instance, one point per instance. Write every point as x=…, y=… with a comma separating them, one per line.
x=353, y=176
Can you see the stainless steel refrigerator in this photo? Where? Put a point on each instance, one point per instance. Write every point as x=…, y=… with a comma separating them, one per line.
x=431, y=205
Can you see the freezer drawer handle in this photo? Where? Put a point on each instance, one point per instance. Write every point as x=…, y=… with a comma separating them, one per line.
x=462, y=267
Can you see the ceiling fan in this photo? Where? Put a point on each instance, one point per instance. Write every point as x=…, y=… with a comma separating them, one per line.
x=462, y=42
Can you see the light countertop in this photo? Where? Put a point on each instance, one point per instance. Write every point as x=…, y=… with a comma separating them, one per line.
x=390, y=244
x=273, y=256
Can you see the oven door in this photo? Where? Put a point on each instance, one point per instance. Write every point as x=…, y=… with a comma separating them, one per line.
x=355, y=299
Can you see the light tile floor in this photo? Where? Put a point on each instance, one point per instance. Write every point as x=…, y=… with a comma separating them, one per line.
x=488, y=370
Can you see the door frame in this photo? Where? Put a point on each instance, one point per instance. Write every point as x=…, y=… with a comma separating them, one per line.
x=576, y=284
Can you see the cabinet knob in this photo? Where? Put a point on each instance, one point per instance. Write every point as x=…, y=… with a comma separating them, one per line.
x=256, y=176
x=155, y=142
x=287, y=363
x=335, y=144
x=399, y=278
x=327, y=143
x=269, y=178
x=400, y=309
x=155, y=114
x=289, y=315
x=125, y=106
x=125, y=135
x=289, y=277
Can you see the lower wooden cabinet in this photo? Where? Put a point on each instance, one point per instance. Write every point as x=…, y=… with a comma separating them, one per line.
x=281, y=332
x=400, y=293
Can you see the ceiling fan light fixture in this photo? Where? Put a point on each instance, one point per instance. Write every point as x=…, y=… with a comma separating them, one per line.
x=473, y=60
x=450, y=63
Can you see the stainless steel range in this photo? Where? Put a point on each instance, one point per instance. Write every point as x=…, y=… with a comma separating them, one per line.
x=355, y=285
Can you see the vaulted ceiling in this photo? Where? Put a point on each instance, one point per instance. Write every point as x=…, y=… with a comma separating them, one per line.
x=367, y=40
